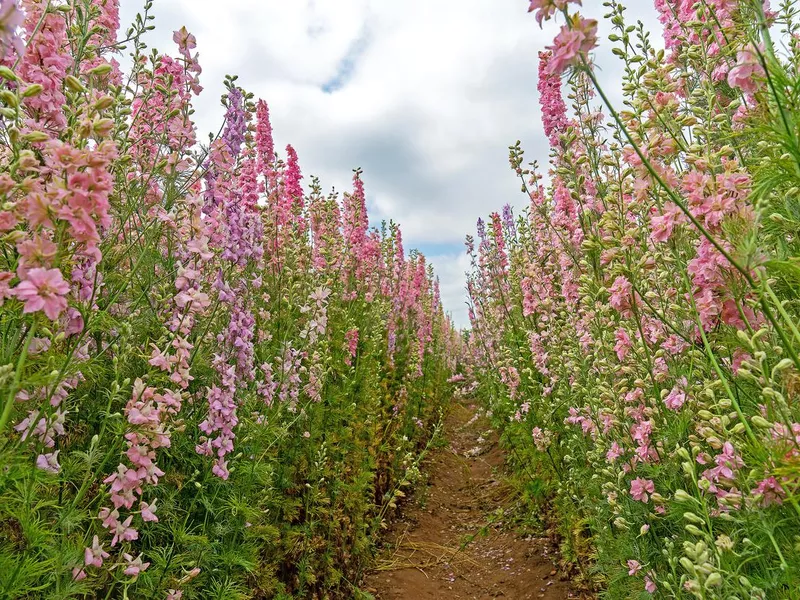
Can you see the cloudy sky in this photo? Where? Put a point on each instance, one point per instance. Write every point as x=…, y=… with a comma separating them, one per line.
x=424, y=95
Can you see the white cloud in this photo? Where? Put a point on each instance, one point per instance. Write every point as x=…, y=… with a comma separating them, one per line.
x=427, y=96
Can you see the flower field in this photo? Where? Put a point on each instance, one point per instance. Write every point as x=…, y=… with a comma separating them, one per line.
x=635, y=330
x=218, y=380
x=215, y=384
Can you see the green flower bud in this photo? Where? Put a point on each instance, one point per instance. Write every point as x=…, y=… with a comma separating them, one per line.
x=32, y=90
x=9, y=98
x=36, y=137
x=687, y=564
x=74, y=84
x=693, y=529
x=7, y=74
x=693, y=518
x=101, y=69
x=760, y=421
x=104, y=102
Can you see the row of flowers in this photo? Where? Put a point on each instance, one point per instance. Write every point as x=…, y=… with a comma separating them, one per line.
x=635, y=330
x=213, y=381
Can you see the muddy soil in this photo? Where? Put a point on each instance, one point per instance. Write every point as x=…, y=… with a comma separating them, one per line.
x=452, y=542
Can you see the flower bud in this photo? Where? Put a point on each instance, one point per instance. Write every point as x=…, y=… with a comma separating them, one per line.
x=693, y=529
x=102, y=127
x=687, y=564
x=760, y=421
x=690, y=516
x=100, y=69
x=7, y=74
x=32, y=90
x=35, y=137
x=713, y=580
x=74, y=84
x=10, y=98
x=15, y=236
x=104, y=102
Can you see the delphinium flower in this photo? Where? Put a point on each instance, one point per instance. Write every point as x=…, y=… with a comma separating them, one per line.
x=671, y=13
x=769, y=491
x=48, y=462
x=46, y=421
x=572, y=44
x=351, y=341
x=221, y=420
x=45, y=61
x=720, y=480
x=134, y=566
x=148, y=413
x=43, y=290
x=160, y=119
x=748, y=74
x=649, y=583
x=186, y=43
x=508, y=221
x=545, y=9
x=95, y=554
x=396, y=290
x=239, y=239
x=293, y=190
x=620, y=298
x=235, y=122
x=289, y=368
x=355, y=226
x=326, y=232
x=640, y=488
x=623, y=345
x=633, y=567
x=554, y=111
x=264, y=143
x=104, y=28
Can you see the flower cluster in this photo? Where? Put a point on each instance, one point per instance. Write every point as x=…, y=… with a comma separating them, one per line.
x=197, y=345
x=639, y=319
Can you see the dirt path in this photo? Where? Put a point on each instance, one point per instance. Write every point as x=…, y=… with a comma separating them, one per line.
x=451, y=543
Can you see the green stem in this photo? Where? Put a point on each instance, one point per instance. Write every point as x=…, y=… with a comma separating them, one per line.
x=12, y=392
